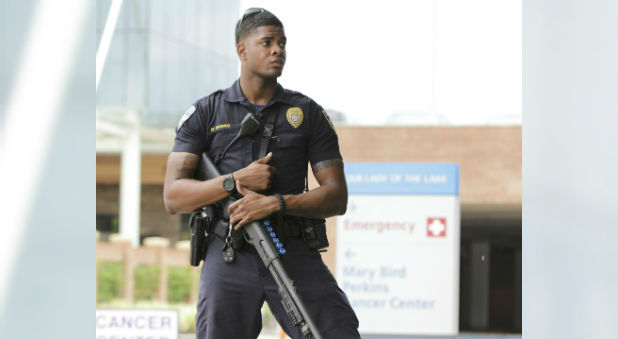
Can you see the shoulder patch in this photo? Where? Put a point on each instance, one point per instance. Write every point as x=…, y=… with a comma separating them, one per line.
x=328, y=119
x=294, y=116
x=185, y=116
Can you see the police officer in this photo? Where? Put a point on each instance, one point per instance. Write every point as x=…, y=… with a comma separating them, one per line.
x=231, y=295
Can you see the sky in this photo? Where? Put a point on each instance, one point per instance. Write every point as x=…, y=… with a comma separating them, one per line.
x=422, y=62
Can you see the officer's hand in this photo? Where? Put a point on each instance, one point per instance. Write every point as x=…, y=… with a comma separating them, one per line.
x=252, y=206
x=257, y=176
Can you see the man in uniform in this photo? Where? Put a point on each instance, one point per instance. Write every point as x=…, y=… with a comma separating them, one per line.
x=231, y=294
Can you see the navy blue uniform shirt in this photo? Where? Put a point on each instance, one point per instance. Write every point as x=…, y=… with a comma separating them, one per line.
x=302, y=133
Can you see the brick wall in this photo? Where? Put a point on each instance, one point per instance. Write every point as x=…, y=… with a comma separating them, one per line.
x=489, y=157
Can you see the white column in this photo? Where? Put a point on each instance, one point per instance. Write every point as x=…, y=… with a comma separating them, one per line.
x=131, y=181
x=136, y=87
x=570, y=169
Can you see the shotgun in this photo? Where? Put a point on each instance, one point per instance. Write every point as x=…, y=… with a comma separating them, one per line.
x=255, y=234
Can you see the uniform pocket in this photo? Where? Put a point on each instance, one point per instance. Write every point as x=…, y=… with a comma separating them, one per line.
x=222, y=138
x=289, y=141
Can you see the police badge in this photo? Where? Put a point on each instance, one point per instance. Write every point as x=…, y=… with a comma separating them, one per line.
x=294, y=116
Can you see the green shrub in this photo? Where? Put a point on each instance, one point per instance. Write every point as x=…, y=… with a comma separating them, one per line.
x=146, y=282
x=179, y=284
x=110, y=281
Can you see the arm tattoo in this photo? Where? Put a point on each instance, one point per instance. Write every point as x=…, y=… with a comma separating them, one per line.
x=185, y=166
x=327, y=163
x=179, y=166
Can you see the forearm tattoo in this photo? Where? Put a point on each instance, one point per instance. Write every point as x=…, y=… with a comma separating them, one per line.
x=185, y=166
x=180, y=166
x=327, y=163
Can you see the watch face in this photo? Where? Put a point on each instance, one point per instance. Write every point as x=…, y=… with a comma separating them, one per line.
x=228, y=184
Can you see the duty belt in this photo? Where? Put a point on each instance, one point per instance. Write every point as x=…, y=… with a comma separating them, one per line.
x=291, y=228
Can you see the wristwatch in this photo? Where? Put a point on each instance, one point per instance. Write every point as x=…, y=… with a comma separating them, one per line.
x=229, y=184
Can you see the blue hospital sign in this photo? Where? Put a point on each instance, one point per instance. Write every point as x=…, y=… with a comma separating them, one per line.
x=398, y=248
x=402, y=178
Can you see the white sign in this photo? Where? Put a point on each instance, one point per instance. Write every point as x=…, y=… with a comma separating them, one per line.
x=398, y=256
x=136, y=324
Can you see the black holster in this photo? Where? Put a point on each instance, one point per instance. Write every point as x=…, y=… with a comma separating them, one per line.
x=238, y=240
x=200, y=224
x=314, y=234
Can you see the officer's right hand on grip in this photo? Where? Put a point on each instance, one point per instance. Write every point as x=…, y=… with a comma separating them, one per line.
x=257, y=176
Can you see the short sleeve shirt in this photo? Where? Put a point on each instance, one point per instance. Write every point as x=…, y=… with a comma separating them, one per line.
x=302, y=133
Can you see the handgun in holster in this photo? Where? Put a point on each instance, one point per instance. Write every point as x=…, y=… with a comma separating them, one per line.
x=200, y=224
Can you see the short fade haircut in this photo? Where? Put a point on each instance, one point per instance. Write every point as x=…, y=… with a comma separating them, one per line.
x=249, y=22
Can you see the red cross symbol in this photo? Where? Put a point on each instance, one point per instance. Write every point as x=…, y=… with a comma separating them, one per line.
x=436, y=227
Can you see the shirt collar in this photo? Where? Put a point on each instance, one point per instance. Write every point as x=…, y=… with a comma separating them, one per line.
x=235, y=94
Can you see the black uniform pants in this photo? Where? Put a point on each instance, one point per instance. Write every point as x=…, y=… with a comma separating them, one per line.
x=231, y=295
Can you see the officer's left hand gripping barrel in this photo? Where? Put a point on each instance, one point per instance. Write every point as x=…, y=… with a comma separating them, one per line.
x=256, y=236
